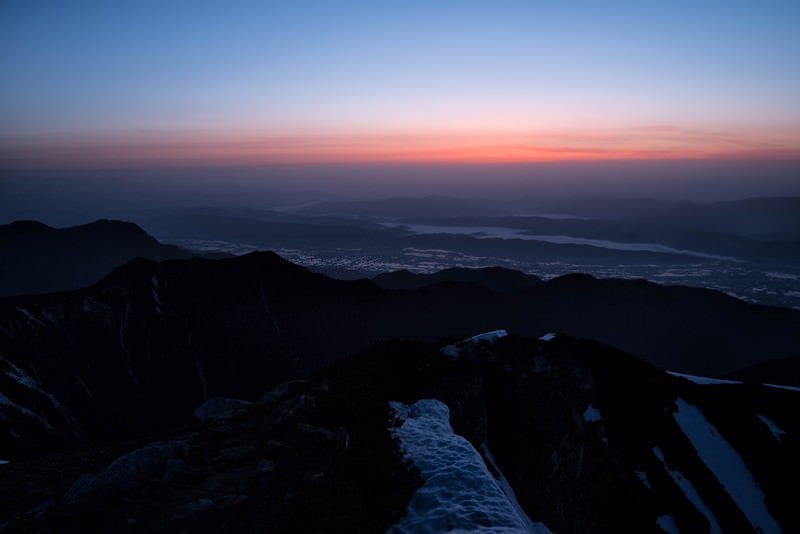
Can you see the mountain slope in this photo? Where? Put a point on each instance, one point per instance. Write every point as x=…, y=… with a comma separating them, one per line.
x=137, y=352
x=570, y=434
x=41, y=259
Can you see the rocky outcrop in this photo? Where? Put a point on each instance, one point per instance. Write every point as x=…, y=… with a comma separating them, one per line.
x=219, y=407
x=589, y=439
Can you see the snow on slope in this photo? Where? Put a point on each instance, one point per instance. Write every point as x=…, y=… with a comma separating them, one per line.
x=22, y=378
x=775, y=429
x=459, y=492
x=703, y=380
x=592, y=415
x=706, y=381
x=454, y=350
x=726, y=464
x=667, y=524
x=641, y=475
x=690, y=492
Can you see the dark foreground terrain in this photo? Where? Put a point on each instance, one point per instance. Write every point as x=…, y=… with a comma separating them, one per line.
x=584, y=438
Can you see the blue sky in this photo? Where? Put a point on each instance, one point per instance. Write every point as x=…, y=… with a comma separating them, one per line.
x=490, y=70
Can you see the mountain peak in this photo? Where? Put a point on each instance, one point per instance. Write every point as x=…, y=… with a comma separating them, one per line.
x=39, y=259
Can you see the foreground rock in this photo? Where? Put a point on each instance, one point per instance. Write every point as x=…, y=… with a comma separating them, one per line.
x=575, y=437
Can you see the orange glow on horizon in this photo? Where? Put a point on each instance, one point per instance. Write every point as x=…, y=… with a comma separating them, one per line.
x=655, y=142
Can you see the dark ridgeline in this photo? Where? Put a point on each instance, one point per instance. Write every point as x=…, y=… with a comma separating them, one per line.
x=140, y=350
x=496, y=278
x=775, y=371
x=576, y=427
x=39, y=259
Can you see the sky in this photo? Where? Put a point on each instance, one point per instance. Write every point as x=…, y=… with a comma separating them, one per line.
x=153, y=83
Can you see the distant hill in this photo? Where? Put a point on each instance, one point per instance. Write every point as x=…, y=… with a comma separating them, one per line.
x=439, y=206
x=497, y=278
x=37, y=258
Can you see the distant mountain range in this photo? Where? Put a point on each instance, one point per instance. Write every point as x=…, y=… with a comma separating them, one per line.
x=250, y=394
x=749, y=249
x=39, y=259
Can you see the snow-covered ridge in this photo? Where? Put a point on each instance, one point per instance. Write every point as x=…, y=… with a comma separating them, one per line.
x=455, y=350
x=459, y=493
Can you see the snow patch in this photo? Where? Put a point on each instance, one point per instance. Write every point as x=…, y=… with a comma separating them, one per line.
x=690, y=492
x=592, y=415
x=85, y=387
x=548, y=337
x=667, y=524
x=706, y=381
x=726, y=464
x=268, y=310
x=154, y=290
x=5, y=401
x=454, y=350
x=641, y=475
x=459, y=492
x=703, y=380
x=50, y=317
x=775, y=429
x=32, y=318
x=24, y=379
x=123, y=343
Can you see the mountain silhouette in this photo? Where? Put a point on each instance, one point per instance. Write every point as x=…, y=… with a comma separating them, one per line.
x=137, y=352
x=40, y=259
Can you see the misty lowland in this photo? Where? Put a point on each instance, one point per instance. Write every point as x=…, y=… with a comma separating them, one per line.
x=418, y=267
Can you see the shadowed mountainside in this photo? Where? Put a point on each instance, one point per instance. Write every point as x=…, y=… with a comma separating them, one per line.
x=40, y=259
x=137, y=352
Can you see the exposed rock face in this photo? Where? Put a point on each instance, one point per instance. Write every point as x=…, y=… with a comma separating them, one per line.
x=587, y=437
x=126, y=473
x=219, y=407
